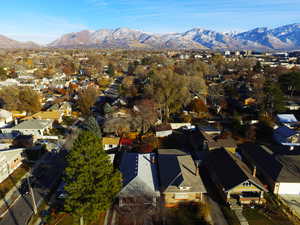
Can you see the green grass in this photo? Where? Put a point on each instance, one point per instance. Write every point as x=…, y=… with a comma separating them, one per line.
x=254, y=217
x=258, y=217
x=186, y=215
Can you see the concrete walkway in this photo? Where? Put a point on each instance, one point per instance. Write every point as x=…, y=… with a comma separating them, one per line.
x=239, y=213
x=216, y=215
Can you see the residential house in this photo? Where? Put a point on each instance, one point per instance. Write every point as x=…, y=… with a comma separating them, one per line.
x=110, y=143
x=37, y=128
x=280, y=172
x=288, y=120
x=140, y=180
x=234, y=180
x=287, y=137
x=10, y=160
x=176, y=126
x=6, y=118
x=46, y=115
x=65, y=108
x=121, y=113
x=18, y=114
x=163, y=130
x=180, y=181
x=249, y=101
x=212, y=140
x=9, y=82
x=293, y=106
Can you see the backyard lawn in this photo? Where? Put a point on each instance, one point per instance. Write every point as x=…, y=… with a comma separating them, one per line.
x=257, y=217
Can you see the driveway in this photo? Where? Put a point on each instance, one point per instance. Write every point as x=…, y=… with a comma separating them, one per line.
x=22, y=210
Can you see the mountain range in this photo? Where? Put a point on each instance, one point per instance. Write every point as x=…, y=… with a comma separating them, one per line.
x=6, y=42
x=281, y=38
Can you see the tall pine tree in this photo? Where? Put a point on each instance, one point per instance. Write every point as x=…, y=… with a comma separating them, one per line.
x=91, y=181
x=91, y=124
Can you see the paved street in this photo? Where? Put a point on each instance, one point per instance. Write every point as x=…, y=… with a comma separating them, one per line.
x=22, y=210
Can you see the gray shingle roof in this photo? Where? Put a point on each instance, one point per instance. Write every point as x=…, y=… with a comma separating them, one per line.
x=177, y=169
x=32, y=124
x=139, y=175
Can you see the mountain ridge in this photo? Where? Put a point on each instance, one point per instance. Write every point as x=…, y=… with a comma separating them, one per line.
x=260, y=38
x=8, y=43
x=286, y=37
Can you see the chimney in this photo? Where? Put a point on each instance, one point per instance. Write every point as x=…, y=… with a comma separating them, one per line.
x=254, y=171
x=153, y=160
x=197, y=162
x=197, y=171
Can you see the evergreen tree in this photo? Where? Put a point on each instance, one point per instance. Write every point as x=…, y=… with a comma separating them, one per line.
x=92, y=125
x=274, y=98
x=110, y=70
x=131, y=68
x=290, y=82
x=107, y=109
x=258, y=67
x=91, y=181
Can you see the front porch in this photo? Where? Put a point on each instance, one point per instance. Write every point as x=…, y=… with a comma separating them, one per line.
x=245, y=198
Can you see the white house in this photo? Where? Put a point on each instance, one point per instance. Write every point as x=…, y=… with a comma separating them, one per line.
x=6, y=118
x=37, y=128
x=10, y=159
x=280, y=172
x=163, y=130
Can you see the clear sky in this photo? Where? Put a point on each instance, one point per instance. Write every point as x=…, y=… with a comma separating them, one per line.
x=45, y=20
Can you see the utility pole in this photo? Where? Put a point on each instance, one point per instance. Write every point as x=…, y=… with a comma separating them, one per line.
x=32, y=194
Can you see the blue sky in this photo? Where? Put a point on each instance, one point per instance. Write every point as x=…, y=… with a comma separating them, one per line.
x=45, y=20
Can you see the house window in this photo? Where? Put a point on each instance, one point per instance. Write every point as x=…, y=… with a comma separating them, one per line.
x=247, y=184
x=181, y=196
x=185, y=188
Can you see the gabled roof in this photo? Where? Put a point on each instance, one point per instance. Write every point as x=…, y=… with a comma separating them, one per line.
x=280, y=168
x=217, y=141
x=287, y=118
x=163, y=127
x=44, y=115
x=139, y=175
x=4, y=114
x=230, y=171
x=177, y=169
x=282, y=134
x=32, y=125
